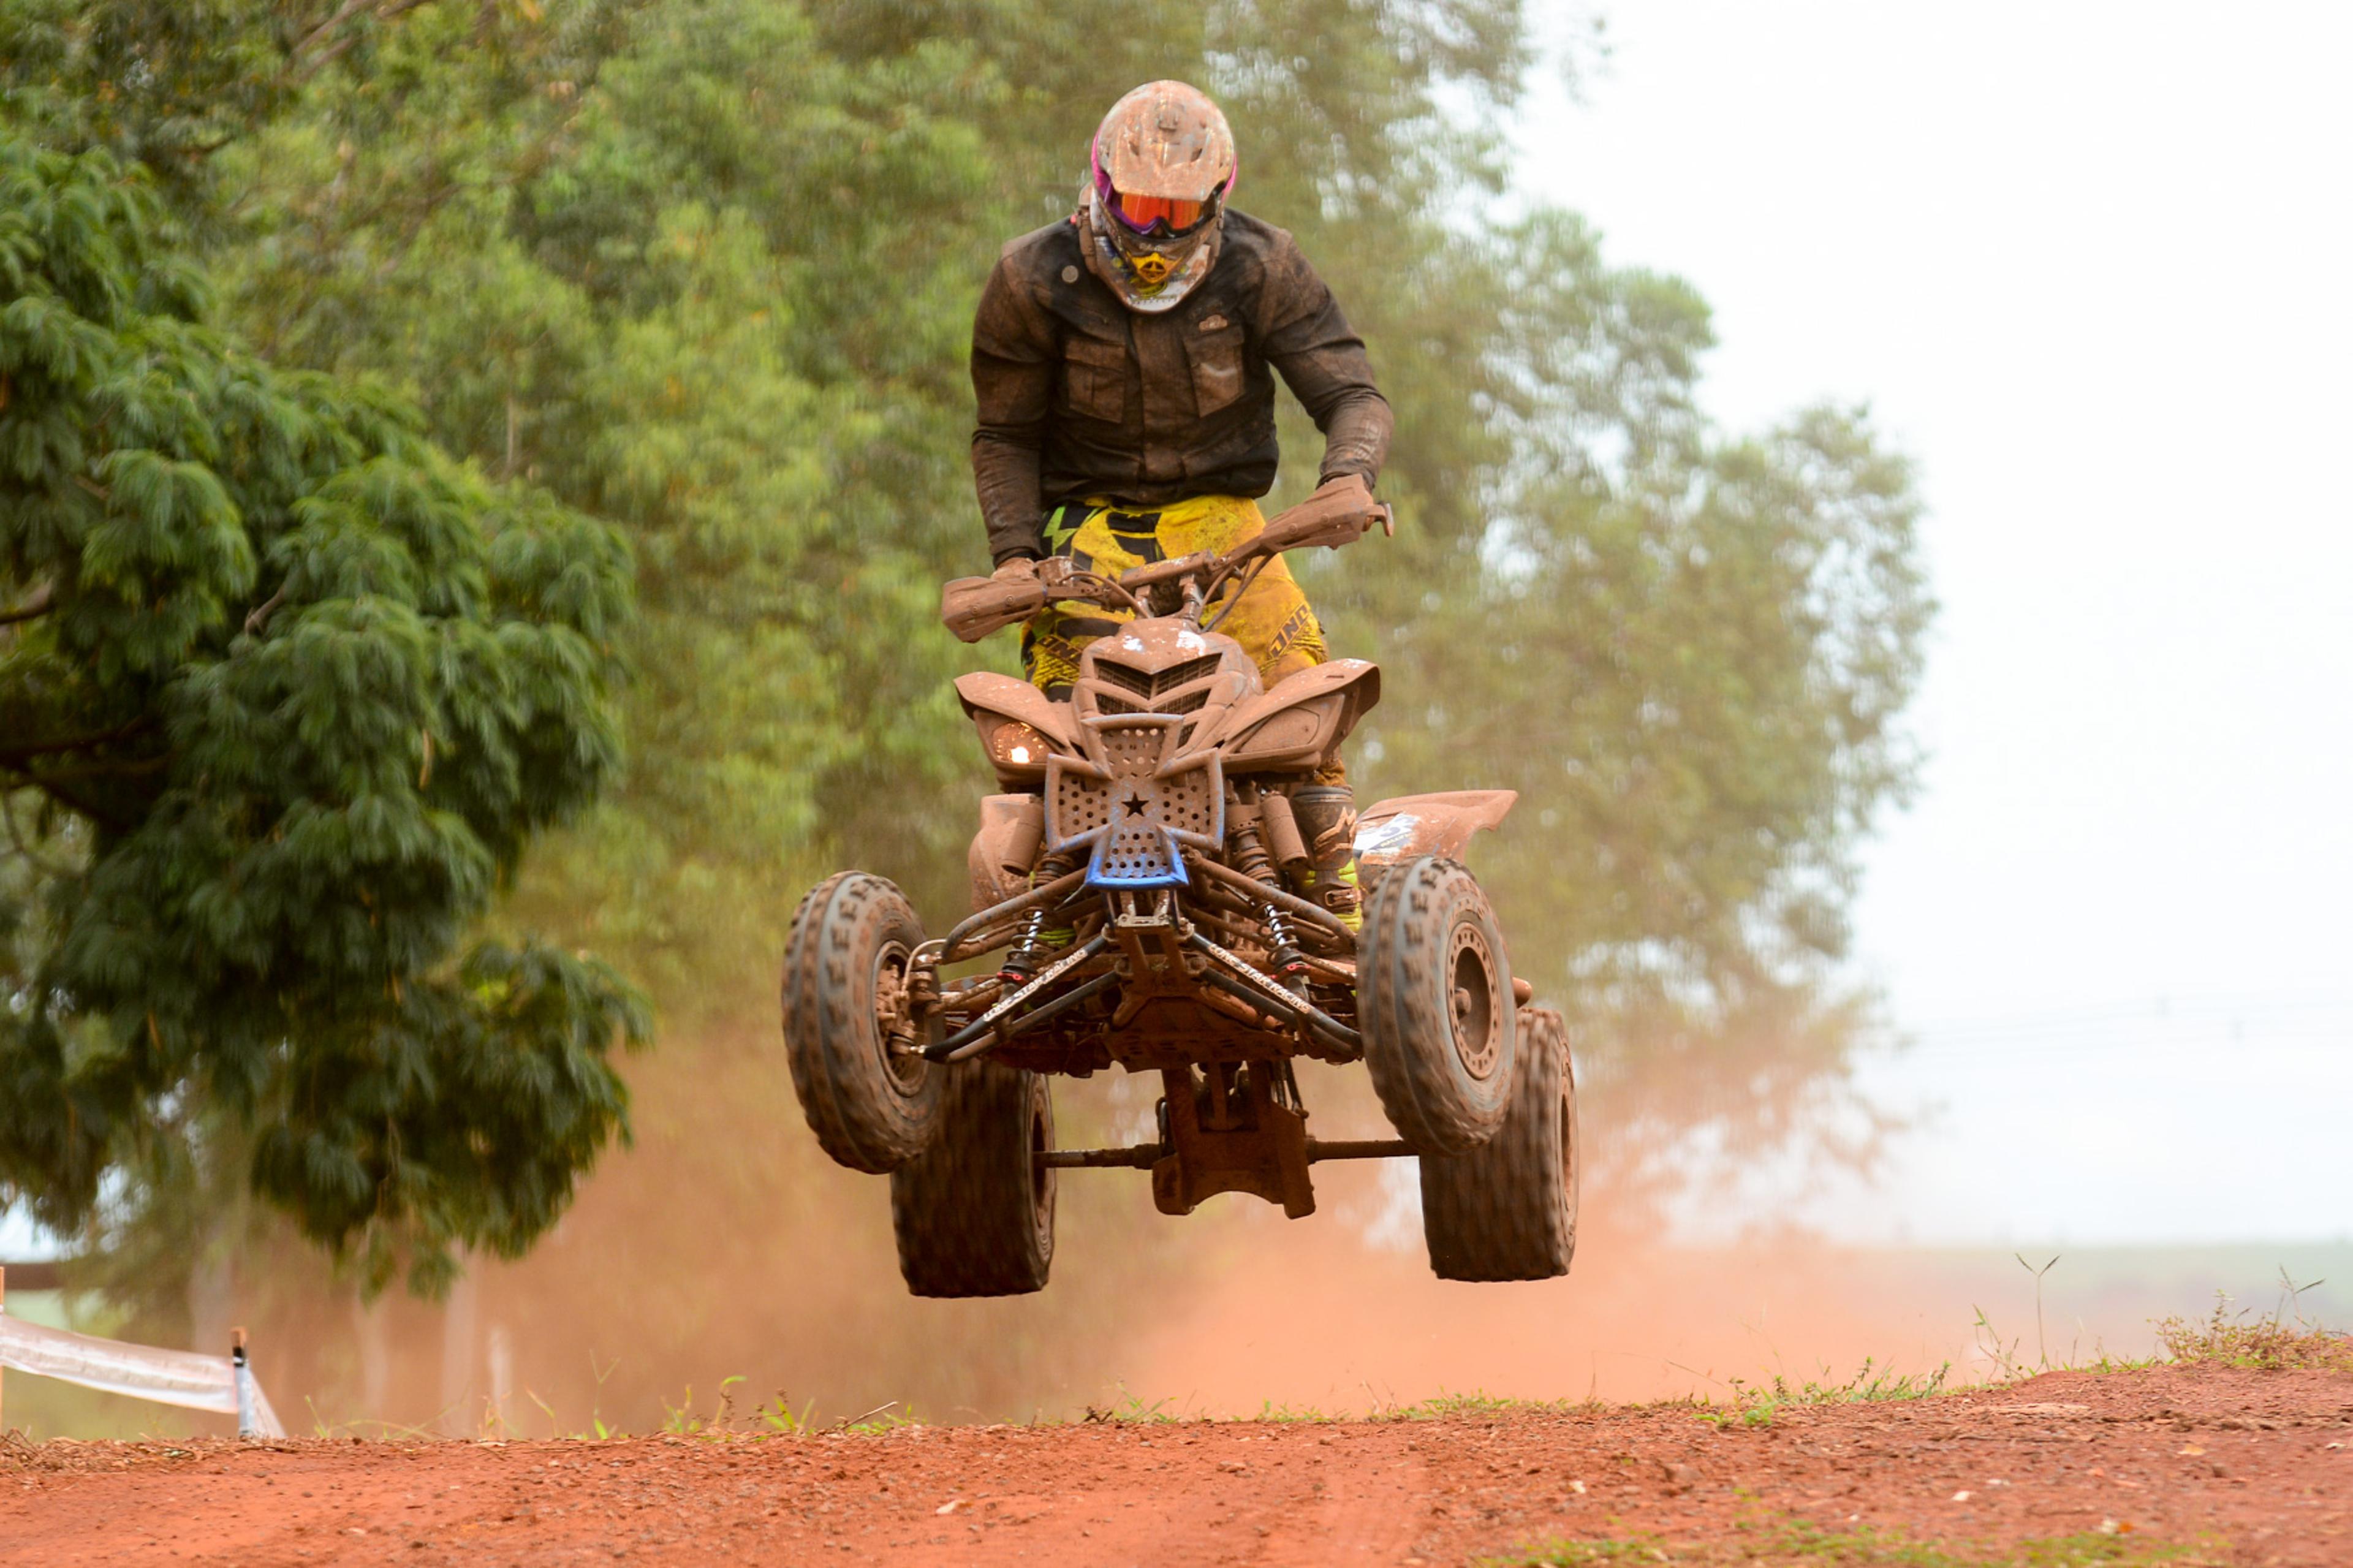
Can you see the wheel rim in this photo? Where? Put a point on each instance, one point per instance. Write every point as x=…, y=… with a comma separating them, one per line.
x=1470, y=1000
x=904, y=1069
x=1041, y=1174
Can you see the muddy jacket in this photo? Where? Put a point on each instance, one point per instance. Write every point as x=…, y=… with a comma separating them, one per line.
x=1081, y=396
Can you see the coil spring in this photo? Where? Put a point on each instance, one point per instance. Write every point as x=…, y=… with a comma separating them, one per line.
x=1250, y=858
x=1029, y=946
x=1028, y=955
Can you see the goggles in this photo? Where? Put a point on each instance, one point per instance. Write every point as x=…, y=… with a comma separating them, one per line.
x=1173, y=214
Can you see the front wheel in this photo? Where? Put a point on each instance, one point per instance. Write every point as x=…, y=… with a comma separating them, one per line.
x=1434, y=999
x=872, y=1103
x=974, y=1214
x=1507, y=1210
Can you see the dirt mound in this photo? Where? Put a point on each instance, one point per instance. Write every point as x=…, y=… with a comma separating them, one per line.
x=2238, y=1467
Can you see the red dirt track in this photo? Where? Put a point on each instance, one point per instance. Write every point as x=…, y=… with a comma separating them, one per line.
x=2243, y=1466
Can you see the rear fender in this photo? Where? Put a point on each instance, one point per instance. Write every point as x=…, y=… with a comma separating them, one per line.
x=1398, y=830
x=993, y=702
x=1303, y=720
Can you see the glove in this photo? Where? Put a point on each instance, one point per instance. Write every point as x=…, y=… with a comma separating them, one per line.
x=1355, y=490
x=1338, y=513
x=972, y=607
x=1349, y=486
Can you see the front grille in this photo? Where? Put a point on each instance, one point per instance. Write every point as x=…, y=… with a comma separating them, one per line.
x=1149, y=687
x=1123, y=676
x=1134, y=819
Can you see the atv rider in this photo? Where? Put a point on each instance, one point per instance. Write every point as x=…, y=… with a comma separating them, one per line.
x=1121, y=361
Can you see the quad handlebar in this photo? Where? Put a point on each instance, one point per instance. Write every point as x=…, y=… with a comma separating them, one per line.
x=972, y=607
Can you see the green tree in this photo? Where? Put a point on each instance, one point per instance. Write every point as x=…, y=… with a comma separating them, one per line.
x=284, y=693
x=1689, y=653
x=642, y=258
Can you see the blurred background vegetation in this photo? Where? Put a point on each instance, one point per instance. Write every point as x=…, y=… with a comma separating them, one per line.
x=702, y=271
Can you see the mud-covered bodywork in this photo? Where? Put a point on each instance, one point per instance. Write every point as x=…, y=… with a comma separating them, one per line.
x=1159, y=774
x=1156, y=774
x=1134, y=801
x=1012, y=827
x=1165, y=872
x=1164, y=666
x=1414, y=824
x=1018, y=725
x=1303, y=719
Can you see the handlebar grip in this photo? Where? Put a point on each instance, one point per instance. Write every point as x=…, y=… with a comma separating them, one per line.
x=972, y=607
x=1331, y=522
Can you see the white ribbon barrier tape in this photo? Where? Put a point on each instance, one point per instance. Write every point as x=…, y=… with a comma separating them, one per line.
x=185, y=1378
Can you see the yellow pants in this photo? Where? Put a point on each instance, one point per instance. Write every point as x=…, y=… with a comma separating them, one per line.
x=1273, y=622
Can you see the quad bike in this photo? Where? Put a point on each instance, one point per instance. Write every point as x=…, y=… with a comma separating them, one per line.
x=1143, y=874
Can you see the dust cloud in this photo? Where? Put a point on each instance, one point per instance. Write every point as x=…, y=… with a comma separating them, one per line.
x=722, y=1258
x=723, y=1254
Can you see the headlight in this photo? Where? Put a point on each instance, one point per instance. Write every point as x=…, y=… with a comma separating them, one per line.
x=1014, y=744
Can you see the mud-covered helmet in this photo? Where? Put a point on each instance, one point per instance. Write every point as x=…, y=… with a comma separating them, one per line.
x=1159, y=169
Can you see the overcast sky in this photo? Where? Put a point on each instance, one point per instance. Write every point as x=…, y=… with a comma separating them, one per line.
x=2089, y=263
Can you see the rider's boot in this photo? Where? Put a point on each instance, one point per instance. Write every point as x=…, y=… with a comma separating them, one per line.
x=1326, y=814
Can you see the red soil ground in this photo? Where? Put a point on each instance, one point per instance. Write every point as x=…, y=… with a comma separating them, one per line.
x=2239, y=1467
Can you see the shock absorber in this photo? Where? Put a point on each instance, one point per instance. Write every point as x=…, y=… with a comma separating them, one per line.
x=1287, y=962
x=1248, y=855
x=1031, y=946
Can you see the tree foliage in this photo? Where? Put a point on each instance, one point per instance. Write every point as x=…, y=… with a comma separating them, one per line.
x=284, y=691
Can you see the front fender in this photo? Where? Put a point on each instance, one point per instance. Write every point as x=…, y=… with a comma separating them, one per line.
x=1302, y=721
x=995, y=702
x=1409, y=826
x=984, y=690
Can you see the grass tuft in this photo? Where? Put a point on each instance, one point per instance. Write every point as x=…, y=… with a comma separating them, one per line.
x=1132, y=1410
x=2265, y=1344
x=1752, y=1404
x=1795, y=1545
x=1473, y=1406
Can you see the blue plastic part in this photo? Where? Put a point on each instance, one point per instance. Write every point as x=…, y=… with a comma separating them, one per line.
x=1174, y=877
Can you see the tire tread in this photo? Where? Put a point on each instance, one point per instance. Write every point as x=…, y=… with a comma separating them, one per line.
x=1507, y=1210
x=858, y=1119
x=1401, y=1003
x=962, y=1211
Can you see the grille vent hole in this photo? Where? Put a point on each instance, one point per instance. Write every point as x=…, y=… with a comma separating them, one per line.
x=1128, y=678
